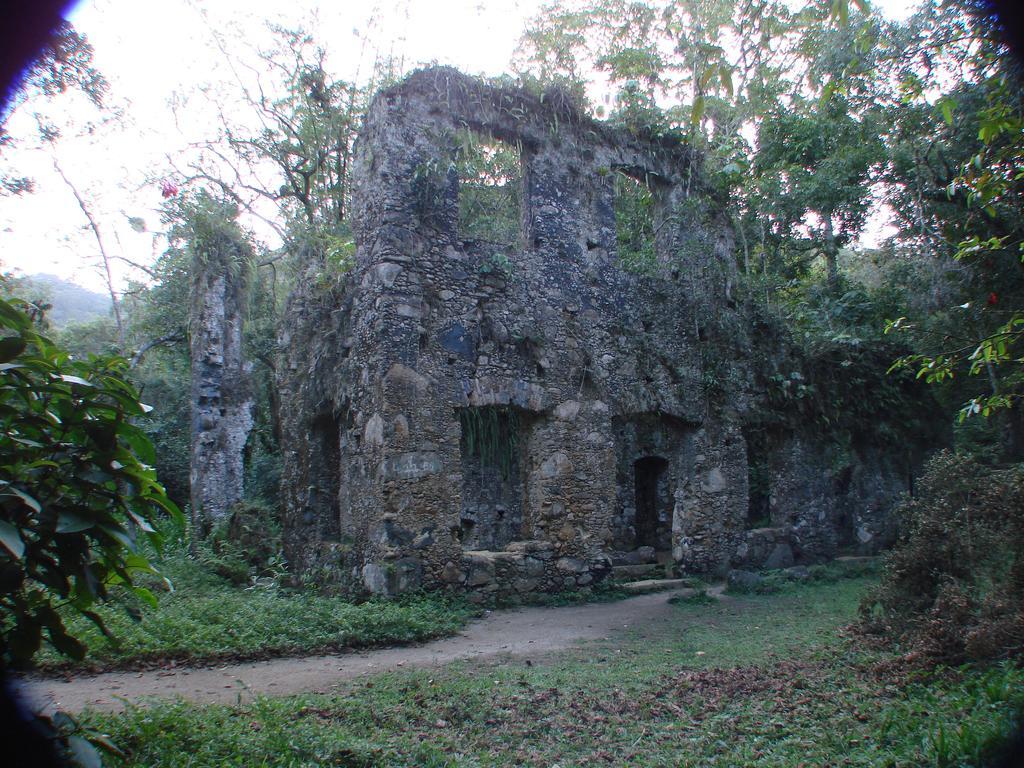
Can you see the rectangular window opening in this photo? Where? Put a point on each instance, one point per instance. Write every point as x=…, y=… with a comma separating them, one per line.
x=326, y=473
x=492, y=488
x=758, y=482
x=490, y=188
x=634, y=205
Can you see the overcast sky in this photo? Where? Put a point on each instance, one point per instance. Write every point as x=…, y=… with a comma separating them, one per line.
x=156, y=54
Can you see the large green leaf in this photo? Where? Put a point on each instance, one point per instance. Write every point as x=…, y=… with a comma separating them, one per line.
x=10, y=537
x=74, y=466
x=83, y=753
x=72, y=522
x=12, y=318
x=23, y=641
x=698, y=110
x=28, y=500
x=10, y=348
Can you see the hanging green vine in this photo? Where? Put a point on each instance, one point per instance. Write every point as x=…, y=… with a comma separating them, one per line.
x=491, y=434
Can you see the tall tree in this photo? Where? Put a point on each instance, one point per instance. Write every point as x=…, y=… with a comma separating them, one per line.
x=959, y=194
x=767, y=91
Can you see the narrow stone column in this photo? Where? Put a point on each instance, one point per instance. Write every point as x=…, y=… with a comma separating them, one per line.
x=221, y=394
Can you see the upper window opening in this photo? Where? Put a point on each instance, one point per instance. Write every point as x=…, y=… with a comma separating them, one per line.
x=490, y=188
x=634, y=223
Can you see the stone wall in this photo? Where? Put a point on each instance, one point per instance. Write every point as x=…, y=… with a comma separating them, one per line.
x=620, y=441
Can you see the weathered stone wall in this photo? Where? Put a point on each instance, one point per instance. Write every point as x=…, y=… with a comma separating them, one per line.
x=600, y=369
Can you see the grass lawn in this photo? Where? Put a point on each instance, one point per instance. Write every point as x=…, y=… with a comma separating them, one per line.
x=755, y=680
x=206, y=619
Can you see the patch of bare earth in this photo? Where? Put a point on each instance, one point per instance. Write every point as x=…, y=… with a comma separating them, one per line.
x=526, y=632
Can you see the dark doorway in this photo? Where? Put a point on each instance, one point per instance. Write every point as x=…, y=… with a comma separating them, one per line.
x=325, y=463
x=652, y=523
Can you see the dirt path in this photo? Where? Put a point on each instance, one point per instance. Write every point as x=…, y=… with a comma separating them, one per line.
x=525, y=632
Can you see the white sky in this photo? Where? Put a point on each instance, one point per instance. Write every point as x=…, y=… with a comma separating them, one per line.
x=154, y=53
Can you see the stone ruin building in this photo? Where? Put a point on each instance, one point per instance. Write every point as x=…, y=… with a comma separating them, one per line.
x=524, y=416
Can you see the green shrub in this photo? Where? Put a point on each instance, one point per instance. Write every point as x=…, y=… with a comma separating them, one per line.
x=246, y=546
x=209, y=618
x=953, y=587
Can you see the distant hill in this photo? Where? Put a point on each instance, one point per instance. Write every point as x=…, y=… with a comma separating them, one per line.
x=70, y=303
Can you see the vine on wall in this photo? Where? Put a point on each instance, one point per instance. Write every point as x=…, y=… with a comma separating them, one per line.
x=491, y=434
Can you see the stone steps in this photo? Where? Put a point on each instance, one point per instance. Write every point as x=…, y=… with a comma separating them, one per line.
x=639, y=556
x=653, y=585
x=634, y=572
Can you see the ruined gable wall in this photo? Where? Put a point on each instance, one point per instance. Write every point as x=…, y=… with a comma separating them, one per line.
x=563, y=336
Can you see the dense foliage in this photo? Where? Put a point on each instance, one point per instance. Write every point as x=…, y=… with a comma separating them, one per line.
x=77, y=488
x=809, y=120
x=489, y=189
x=812, y=119
x=953, y=588
x=223, y=608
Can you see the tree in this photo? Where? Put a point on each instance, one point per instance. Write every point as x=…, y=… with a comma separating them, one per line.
x=817, y=159
x=959, y=196
x=64, y=64
x=284, y=155
x=77, y=489
x=769, y=93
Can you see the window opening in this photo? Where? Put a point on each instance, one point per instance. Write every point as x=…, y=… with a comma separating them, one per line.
x=758, y=483
x=490, y=188
x=634, y=223
x=492, y=507
x=326, y=466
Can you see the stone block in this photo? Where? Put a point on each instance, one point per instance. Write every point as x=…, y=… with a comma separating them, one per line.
x=479, y=576
x=781, y=556
x=570, y=565
x=798, y=573
x=411, y=465
x=555, y=465
x=743, y=581
x=452, y=574
x=534, y=567
x=525, y=585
